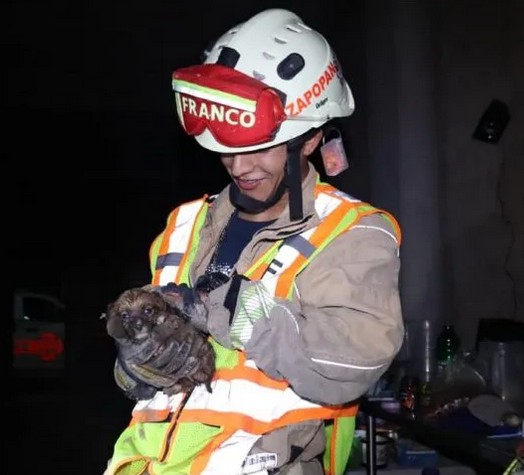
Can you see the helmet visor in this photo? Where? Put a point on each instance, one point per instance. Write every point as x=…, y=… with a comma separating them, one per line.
x=237, y=110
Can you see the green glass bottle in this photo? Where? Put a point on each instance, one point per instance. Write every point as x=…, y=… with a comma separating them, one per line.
x=447, y=346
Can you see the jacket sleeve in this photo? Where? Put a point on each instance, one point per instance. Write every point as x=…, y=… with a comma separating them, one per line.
x=343, y=329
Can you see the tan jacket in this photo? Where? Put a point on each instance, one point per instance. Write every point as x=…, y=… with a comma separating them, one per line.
x=347, y=323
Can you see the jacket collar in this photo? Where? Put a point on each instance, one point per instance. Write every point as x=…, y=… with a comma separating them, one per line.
x=221, y=210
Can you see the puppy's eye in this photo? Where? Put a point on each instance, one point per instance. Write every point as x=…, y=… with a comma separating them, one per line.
x=124, y=315
x=148, y=311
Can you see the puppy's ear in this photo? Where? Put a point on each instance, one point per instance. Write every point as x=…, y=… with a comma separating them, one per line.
x=114, y=325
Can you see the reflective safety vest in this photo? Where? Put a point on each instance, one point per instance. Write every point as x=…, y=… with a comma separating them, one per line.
x=212, y=433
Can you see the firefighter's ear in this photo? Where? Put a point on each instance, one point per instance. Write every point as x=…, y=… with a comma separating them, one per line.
x=311, y=143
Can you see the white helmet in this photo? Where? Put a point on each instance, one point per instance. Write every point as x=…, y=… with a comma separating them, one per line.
x=278, y=49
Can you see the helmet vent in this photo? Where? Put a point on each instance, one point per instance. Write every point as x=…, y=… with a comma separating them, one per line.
x=290, y=66
x=304, y=27
x=293, y=28
x=258, y=76
x=268, y=55
x=228, y=57
x=280, y=41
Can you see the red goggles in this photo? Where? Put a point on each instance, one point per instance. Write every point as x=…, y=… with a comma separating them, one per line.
x=238, y=111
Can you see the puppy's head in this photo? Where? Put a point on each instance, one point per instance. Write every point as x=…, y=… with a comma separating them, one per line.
x=134, y=314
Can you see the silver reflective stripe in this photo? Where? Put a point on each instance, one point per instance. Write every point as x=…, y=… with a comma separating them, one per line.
x=302, y=245
x=298, y=243
x=170, y=259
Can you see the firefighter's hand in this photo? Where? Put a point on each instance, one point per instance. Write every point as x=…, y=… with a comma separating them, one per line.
x=191, y=301
x=188, y=301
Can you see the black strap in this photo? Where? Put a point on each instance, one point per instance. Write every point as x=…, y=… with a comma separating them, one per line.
x=230, y=301
x=294, y=185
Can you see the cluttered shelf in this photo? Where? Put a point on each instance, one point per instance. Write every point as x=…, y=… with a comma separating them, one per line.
x=457, y=436
x=449, y=401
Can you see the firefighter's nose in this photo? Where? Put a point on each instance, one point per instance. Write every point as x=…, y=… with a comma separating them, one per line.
x=240, y=164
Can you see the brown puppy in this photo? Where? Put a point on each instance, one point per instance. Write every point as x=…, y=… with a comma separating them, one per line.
x=158, y=347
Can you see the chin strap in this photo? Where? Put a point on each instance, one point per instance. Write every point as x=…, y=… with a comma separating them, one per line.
x=292, y=182
x=293, y=179
x=251, y=205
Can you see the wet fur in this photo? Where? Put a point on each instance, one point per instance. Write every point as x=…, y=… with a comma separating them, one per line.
x=143, y=325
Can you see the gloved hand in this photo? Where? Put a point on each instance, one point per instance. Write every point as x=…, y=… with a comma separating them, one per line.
x=128, y=382
x=210, y=281
x=187, y=301
x=173, y=359
x=191, y=301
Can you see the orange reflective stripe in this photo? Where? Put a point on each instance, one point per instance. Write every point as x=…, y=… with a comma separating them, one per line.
x=164, y=246
x=333, y=449
x=395, y=225
x=153, y=252
x=390, y=218
x=323, y=187
x=257, y=270
x=320, y=234
x=251, y=374
x=194, y=235
x=201, y=461
x=151, y=415
x=242, y=358
x=128, y=461
x=330, y=223
x=254, y=426
x=285, y=281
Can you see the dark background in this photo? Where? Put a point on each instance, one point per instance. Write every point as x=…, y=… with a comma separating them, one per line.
x=94, y=160
x=91, y=137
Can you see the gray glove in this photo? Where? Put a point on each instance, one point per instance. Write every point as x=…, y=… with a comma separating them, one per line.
x=192, y=301
x=183, y=359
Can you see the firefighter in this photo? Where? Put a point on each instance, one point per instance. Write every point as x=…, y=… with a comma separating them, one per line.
x=307, y=315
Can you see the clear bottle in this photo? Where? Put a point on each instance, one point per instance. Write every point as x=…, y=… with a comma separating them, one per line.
x=447, y=346
x=425, y=400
